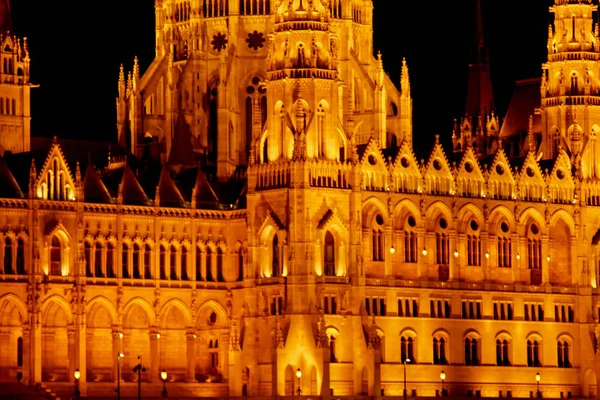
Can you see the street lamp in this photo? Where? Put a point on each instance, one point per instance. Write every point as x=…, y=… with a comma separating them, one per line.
x=119, y=356
x=163, y=376
x=139, y=369
x=77, y=375
x=443, y=378
x=406, y=360
x=299, y=375
x=538, y=378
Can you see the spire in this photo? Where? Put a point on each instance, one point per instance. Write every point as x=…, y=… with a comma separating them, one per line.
x=6, y=24
x=479, y=46
x=136, y=73
x=405, y=79
x=121, y=82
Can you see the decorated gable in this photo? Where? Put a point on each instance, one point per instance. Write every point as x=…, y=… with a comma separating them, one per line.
x=374, y=168
x=561, y=186
x=531, y=180
x=470, y=181
x=501, y=181
x=438, y=175
x=55, y=181
x=406, y=174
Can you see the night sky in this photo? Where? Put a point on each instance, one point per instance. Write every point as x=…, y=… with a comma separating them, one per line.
x=76, y=51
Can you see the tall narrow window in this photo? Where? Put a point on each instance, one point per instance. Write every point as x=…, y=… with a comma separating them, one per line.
x=502, y=352
x=473, y=245
x=163, y=262
x=209, y=265
x=534, y=247
x=21, y=256
x=439, y=351
x=20, y=352
x=8, y=256
x=147, y=262
x=276, y=268
x=137, y=274
x=329, y=255
x=199, y=276
x=87, y=250
x=98, y=260
x=184, y=263
x=173, y=264
x=320, y=131
x=504, y=247
x=471, y=351
x=110, y=254
x=563, y=354
x=213, y=349
x=240, y=264
x=410, y=240
x=332, y=349
x=220, y=275
x=533, y=353
x=377, y=239
x=125, y=261
x=442, y=243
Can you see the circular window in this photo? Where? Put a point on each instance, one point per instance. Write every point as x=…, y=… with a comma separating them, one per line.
x=255, y=80
x=437, y=165
x=504, y=227
x=529, y=172
x=469, y=167
x=560, y=174
x=443, y=223
x=411, y=221
x=379, y=219
x=474, y=225
x=250, y=89
x=404, y=162
x=212, y=318
x=499, y=169
x=535, y=229
x=372, y=160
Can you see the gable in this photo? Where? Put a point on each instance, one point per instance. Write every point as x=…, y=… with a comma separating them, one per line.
x=560, y=181
x=470, y=180
x=531, y=179
x=501, y=181
x=438, y=174
x=406, y=174
x=374, y=168
x=55, y=181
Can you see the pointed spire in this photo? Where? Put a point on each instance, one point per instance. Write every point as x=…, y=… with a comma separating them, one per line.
x=531, y=140
x=405, y=79
x=136, y=73
x=479, y=40
x=6, y=23
x=121, y=82
x=77, y=174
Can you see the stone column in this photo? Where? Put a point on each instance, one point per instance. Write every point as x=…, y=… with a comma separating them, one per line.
x=545, y=262
x=81, y=352
x=190, y=375
x=422, y=259
x=377, y=372
x=454, y=268
x=326, y=381
x=35, y=355
x=116, y=350
x=154, y=357
x=72, y=353
x=26, y=355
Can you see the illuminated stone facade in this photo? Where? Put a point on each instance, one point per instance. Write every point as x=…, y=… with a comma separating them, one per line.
x=311, y=237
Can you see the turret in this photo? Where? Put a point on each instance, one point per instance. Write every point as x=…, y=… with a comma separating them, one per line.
x=406, y=120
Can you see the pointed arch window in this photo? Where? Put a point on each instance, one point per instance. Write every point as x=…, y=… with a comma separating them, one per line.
x=110, y=254
x=199, y=275
x=321, y=131
x=534, y=247
x=213, y=350
x=163, y=262
x=87, y=250
x=407, y=347
x=439, y=351
x=574, y=85
x=473, y=244
x=55, y=256
x=137, y=273
x=410, y=240
x=504, y=246
x=125, y=261
x=329, y=254
x=209, y=265
x=332, y=349
x=377, y=239
x=240, y=264
x=220, y=275
x=562, y=347
x=471, y=351
x=184, y=264
x=533, y=353
x=442, y=243
x=8, y=256
x=21, y=256
x=147, y=261
x=98, y=260
x=276, y=266
x=173, y=264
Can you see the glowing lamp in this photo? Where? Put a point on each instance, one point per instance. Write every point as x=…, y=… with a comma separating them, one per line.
x=443, y=375
x=392, y=250
x=538, y=377
x=121, y=355
x=77, y=374
x=424, y=252
x=163, y=375
x=298, y=374
x=487, y=255
x=456, y=253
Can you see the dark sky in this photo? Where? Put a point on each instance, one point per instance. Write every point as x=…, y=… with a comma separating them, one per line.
x=76, y=51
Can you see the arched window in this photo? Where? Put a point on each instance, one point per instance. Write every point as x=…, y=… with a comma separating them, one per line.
x=471, y=351
x=110, y=254
x=562, y=347
x=147, y=261
x=276, y=266
x=377, y=239
x=173, y=264
x=329, y=253
x=137, y=273
x=256, y=111
x=21, y=257
x=533, y=353
x=98, y=260
x=8, y=256
x=184, y=264
x=213, y=350
x=199, y=276
x=87, y=252
x=321, y=131
x=407, y=349
x=209, y=265
x=332, y=348
x=534, y=247
x=163, y=262
x=473, y=244
x=442, y=243
x=125, y=261
x=574, y=85
x=20, y=352
x=410, y=240
x=55, y=257
x=439, y=350
x=220, y=275
x=504, y=246
x=502, y=352
x=240, y=264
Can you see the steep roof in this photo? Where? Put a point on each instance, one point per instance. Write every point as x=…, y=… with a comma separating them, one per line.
x=526, y=98
x=9, y=188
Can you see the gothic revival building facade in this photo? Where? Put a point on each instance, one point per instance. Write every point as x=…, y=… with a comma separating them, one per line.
x=264, y=212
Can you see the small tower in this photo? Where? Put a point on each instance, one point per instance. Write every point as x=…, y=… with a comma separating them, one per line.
x=15, y=98
x=479, y=127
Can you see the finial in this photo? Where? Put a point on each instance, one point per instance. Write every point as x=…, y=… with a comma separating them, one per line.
x=437, y=139
x=54, y=140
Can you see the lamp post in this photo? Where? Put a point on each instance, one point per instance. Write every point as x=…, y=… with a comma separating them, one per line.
x=119, y=356
x=443, y=378
x=77, y=375
x=139, y=369
x=538, y=378
x=163, y=376
x=299, y=375
x=406, y=360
